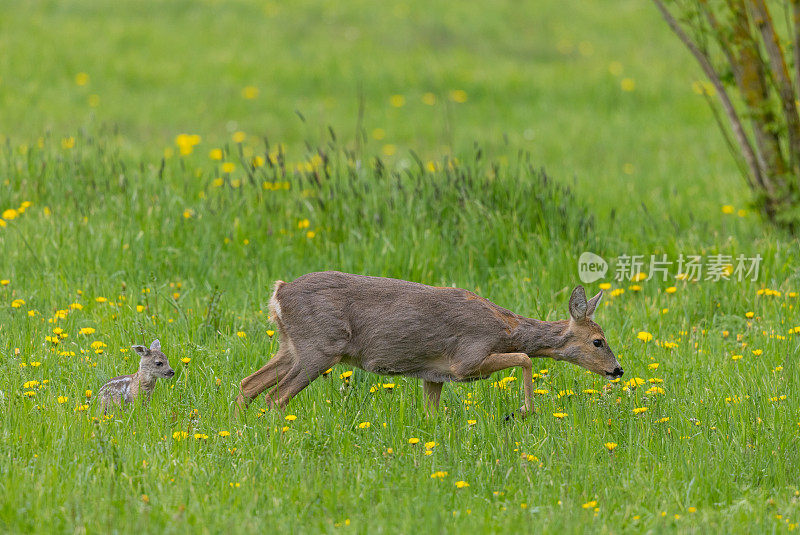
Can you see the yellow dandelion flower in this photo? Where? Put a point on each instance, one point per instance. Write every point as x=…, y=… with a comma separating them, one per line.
x=241, y=334
x=228, y=167
x=224, y=433
x=644, y=336
x=239, y=137
x=364, y=425
x=429, y=99
x=413, y=440
x=610, y=446
x=430, y=445
x=653, y=365
x=439, y=475
x=640, y=410
x=397, y=101
x=627, y=84
x=86, y=330
x=186, y=360
x=458, y=95
x=461, y=484
x=560, y=415
x=250, y=92
x=671, y=290
x=590, y=505
x=728, y=209
x=290, y=417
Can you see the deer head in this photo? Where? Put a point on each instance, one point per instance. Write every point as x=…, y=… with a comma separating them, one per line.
x=152, y=362
x=584, y=341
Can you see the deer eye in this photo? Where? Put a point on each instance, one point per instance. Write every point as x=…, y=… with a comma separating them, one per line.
x=598, y=342
x=161, y=363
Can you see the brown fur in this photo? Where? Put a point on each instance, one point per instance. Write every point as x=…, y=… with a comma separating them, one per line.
x=122, y=390
x=396, y=327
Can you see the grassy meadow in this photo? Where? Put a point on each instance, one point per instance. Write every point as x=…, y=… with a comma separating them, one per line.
x=162, y=163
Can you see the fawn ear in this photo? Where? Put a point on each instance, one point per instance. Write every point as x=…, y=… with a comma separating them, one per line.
x=140, y=350
x=577, y=304
x=591, y=305
x=156, y=345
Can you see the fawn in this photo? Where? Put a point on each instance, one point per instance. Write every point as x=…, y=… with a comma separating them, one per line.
x=396, y=327
x=153, y=365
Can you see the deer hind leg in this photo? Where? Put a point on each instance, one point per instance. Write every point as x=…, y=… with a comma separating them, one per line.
x=501, y=361
x=307, y=366
x=268, y=376
x=433, y=391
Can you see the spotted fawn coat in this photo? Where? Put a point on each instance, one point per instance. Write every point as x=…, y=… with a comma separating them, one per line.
x=153, y=364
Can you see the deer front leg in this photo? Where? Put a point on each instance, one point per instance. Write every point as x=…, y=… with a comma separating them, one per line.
x=501, y=361
x=433, y=392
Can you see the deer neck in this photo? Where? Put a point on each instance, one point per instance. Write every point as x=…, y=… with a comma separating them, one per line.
x=145, y=382
x=538, y=338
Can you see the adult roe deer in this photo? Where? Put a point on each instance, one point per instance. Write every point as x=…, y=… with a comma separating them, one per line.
x=396, y=327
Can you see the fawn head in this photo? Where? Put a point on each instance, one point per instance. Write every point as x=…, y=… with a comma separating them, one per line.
x=153, y=362
x=586, y=344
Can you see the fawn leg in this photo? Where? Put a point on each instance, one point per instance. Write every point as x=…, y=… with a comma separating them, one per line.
x=433, y=392
x=501, y=361
x=268, y=376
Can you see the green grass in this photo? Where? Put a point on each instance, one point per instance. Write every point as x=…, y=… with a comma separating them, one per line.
x=185, y=252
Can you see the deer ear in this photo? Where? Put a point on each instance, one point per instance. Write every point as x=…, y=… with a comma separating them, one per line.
x=156, y=345
x=577, y=304
x=591, y=305
x=140, y=350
